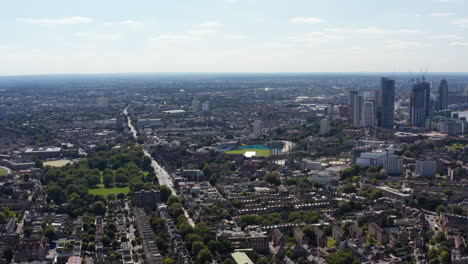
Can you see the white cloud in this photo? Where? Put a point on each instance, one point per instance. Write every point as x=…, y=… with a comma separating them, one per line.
x=129, y=23
x=372, y=31
x=446, y=37
x=172, y=37
x=460, y=22
x=401, y=44
x=5, y=46
x=459, y=44
x=98, y=36
x=306, y=20
x=235, y=37
x=201, y=32
x=62, y=21
x=211, y=24
x=313, y=38
x=443, y=14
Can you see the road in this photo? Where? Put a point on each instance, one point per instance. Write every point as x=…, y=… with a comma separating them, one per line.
x=163, y=176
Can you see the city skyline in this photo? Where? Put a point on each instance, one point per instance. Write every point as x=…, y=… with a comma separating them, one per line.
x=234, y=36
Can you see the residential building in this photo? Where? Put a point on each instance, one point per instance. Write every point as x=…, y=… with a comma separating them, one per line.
x=393, y=166
x=426, y=168
x=324, y=126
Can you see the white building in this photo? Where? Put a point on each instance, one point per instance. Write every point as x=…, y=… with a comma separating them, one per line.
x=376, y=157
x=324, y=126
x=321, y=177
x=393, y=166
x=426, y=168
x=195, y=106
x=206, y=107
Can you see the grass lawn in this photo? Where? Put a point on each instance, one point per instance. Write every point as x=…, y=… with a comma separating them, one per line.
x=259, y=152
x=3, y=171
x=331, y=243
x=101, y=190
x=456, y=147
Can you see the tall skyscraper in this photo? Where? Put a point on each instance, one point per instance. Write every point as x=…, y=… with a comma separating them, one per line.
x=368, y=114
x=427, y=95
x=386, y=108
x=357, y=110
x=418, y=104
x=352, y=94
x=443, y=95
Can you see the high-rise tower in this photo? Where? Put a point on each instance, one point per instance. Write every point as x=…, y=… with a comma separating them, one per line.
x=418, y=104
x=443, y=95
x=386, y=108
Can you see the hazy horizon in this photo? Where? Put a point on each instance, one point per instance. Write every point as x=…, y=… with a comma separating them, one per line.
x=238, y=36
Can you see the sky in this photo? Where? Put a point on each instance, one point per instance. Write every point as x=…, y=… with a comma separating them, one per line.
x=114, y=36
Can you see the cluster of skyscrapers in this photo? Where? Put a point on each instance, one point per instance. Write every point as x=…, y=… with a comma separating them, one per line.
x=374, y=108
x=377, y=108
x=421, y=105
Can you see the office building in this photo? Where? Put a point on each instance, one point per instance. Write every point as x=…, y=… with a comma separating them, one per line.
x=443, y=95
x=357, y=110
x=386, y=100
x=324, y=126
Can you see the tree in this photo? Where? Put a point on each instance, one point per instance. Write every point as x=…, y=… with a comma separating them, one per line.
x=441, y=209
x=108, y=180
x=349, y=188
x=121, y=196
x=262, y=260
x=196, y=247
x=165, y=193
x=50, y=233
x=8, y=254
x=99, y=208
x=204, y=256
x=173, y=199
x=273, y=178
x=342, y=256
x=445, y=257
x=176, y=209
x=168, y=261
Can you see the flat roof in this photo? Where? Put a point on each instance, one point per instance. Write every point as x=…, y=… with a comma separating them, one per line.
x=241, y=258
